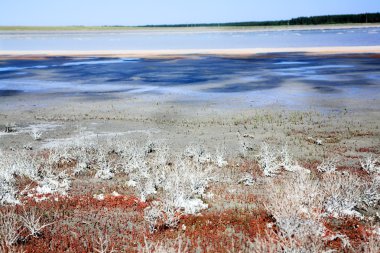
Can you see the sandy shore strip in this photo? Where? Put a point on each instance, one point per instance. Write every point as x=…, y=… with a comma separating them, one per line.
x=154, y=53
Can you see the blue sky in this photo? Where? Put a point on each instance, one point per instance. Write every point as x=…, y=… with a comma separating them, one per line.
x=142, y=12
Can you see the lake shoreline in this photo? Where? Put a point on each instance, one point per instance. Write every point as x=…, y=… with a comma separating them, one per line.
x=184, y=29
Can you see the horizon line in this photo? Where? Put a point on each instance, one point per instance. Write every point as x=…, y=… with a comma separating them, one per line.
x=237, y=23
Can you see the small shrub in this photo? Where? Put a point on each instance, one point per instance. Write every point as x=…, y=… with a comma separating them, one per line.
x=328, y=166
x=370, y=165
x=268, y=162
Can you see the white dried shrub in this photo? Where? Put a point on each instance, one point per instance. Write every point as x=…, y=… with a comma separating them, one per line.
x=80, y=168
x=370, y=165
x=300, y=227
x=43, y=170
x=105, y=172
x=153, y=215
x=142, y=175
x=219, y=159
x=161, y=156
x=328, y=165
x=268, y=160
x=134, y=157
x=342, y=194
x=102, y=243
x=105, y=167
x=12, y=165
x=245, y=145
x=185, y=183
x=180, y=245
x=18, y=163
x=189, y=205
x=288, y=163
x=61, y=155
x=10, y=226
x=31, y=220
x=35, y=133
x=83, y=158
x=247, y=180
x=8, y=193
x=296, y=204
x=145, y=186
x=277, y=243
x=371, y=196
x=266, y=244
x=182, y=182
x=197, y=154
x=162, y=213
x=181, y=185
x=53, y=183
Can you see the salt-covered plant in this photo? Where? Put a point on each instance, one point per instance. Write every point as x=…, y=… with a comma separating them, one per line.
x=12, y=165
x=219, y=158
x=186, y=177
x=102, y=244
x=59, y=155
x=328, y=165
x=162, y=214
x=268, y=160
x=17, y=163
x=10, y=229
x=51, y=183
x=83, y=158
x=279, y=243
x=296, y=204
x=106, y=170
x=8, y=193
x=198, y=154
x=371, y=196
x=370, y=165
x=300, y=227
x=288, y=163
x=35, y=133
x=167, y=246
x=342, y=193
x=145, y=186
x=153, y=215
x=247, y=180
x=244, y=145
x=182, y=186
x=141, y=176
x=134, y=158
x=185, y=184
x=32, y=222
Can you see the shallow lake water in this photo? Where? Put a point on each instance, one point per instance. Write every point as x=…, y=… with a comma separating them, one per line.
x=179, y=39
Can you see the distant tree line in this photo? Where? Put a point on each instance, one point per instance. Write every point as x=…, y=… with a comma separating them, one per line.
x=336, y=19
x=314, y=20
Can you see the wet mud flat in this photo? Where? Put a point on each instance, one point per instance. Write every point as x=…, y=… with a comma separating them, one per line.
x=149, y=93
x=262, y=77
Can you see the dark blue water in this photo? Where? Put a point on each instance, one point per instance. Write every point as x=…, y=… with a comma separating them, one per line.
x=328, y=74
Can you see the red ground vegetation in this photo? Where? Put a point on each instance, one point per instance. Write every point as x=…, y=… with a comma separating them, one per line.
x=356, y=231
